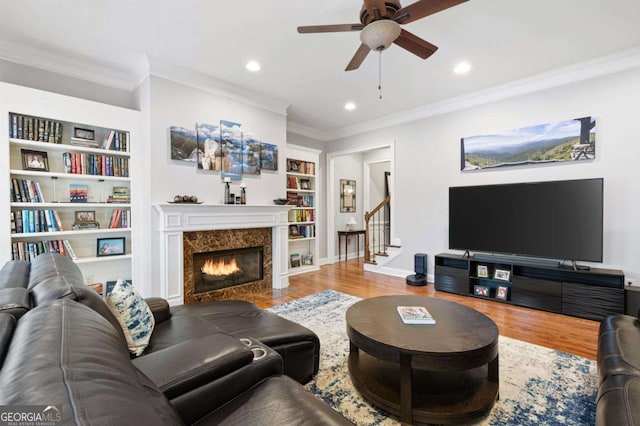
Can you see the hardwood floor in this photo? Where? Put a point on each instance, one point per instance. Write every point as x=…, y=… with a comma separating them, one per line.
x=568, y=334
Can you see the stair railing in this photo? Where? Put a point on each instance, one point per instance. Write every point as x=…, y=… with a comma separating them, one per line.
x=377, y=231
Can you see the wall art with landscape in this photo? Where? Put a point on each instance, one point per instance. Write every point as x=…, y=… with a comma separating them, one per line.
x=569, y=140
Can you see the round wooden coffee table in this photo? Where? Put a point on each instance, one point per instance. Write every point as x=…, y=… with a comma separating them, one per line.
x=439, y=373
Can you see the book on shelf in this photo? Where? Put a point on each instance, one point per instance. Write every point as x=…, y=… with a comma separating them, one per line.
x=28, y=250
x=295, y=260
x=36, y=129
x=69, y=249
x=415, y=315
x=88, y=143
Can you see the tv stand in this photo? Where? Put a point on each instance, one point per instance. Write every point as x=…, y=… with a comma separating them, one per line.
x=592, y=293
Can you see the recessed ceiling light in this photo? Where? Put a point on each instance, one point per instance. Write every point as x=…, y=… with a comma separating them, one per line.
x=253, y=66
x=349, y=106
x=462, y=68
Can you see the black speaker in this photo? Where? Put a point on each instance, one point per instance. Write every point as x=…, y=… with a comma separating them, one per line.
x=420, y=267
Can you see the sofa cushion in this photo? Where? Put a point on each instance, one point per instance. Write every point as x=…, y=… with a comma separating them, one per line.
x=15, y=273
x=65, y=354
x=618, y=401
x=15, y=301
x=7, y=326
x=134, y=315
x=618, y=344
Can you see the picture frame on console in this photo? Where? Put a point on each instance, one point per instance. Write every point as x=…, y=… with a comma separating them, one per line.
x=502, y=274
x=482, y=271
x=481, y=290
x=502, y=292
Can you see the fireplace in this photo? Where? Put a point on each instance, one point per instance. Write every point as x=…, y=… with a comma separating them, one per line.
x=214, y=270
x=225, y=264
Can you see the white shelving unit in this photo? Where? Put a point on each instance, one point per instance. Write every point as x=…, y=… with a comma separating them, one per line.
x=301, y=186
x=54, y=181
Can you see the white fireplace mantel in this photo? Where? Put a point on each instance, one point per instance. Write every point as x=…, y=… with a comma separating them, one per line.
x=177, y=218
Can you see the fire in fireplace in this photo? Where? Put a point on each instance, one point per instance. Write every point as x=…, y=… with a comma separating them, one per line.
x=219, y=269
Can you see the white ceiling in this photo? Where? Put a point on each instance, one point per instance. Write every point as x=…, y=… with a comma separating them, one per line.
x=504, y=40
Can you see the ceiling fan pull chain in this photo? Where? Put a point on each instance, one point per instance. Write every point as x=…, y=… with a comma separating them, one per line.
x=380, y=73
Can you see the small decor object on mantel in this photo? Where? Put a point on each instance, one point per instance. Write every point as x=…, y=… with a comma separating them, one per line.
x=415, y=315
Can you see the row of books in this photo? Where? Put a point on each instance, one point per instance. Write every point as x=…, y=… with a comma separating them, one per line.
x=298, y=166
x=26, y=191
x=302, y=215
x=120, y=218
x=22, y=250
x=299, y=200
x=30, y=221
x=95, y=164
x=116, y=141
x=301, y=231
x=34, y=128
x=294, y=182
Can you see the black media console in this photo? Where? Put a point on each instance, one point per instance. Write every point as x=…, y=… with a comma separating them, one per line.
x=592, y=294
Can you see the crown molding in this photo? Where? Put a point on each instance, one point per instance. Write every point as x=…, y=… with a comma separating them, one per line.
x=164, y=69
x=47, y=61
x=307, y=131
x=605, y=65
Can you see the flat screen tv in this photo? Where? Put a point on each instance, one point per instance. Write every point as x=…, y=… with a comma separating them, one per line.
x=555, y=219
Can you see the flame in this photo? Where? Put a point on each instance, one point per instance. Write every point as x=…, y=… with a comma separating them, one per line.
x=220, y=268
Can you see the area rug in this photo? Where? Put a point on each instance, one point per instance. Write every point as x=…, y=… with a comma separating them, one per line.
x=538, y=386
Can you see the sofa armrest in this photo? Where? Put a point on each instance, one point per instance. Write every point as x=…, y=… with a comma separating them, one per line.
x=159, y=308
x=15, y=301
x=181, y=368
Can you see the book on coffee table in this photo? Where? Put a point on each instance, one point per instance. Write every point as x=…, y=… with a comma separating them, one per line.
x=415, y=315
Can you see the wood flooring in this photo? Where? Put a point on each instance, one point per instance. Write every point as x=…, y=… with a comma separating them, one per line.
x=564, y=333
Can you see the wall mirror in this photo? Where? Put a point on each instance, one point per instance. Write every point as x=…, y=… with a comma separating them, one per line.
x=347, y=196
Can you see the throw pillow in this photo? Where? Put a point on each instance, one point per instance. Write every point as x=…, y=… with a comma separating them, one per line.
x=133, y=314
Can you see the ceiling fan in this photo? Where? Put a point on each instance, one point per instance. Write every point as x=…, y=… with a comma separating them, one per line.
x=380, y=22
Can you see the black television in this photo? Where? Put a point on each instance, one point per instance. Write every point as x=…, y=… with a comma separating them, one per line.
x=553, y=219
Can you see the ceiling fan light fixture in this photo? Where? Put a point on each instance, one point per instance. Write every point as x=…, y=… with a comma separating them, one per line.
x=379, y=35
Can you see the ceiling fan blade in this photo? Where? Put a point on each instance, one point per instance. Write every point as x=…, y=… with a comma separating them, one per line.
x=423, y=8
x=358, y=58
x=376, y=8
x=330, y=28
x=415, y=44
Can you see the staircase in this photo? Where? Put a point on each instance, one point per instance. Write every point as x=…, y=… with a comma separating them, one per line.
x=378, y=249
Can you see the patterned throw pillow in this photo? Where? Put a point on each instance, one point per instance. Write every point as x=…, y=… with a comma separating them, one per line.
x=134, y=315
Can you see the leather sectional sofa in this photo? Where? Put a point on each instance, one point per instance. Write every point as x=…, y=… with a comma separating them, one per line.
x=219, y=363
x=619, y=371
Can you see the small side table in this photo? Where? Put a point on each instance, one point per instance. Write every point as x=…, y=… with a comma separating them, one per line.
x=346, y=235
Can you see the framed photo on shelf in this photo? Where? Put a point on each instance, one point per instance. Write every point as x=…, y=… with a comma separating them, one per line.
x=35, y=160
x=305, y=184
x=502, y=292
x=481, y=290
x=110, y=246
x=502, y=274
x=83, y=217
x=83, y=133
x=483, y=272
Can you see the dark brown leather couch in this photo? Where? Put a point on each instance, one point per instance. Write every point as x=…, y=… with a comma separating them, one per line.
x=619, y=371
x=62, y=346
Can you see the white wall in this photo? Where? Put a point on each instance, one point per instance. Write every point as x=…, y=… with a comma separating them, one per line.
x=427, y=156
x=175, y=104
x=377, y=183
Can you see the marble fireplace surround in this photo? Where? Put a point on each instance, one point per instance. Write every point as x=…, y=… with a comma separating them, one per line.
x=176, y=219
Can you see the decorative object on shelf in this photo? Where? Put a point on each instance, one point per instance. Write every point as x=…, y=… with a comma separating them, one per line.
x=305, y=184
x=35, y=160
x=502, y=292
x=110, y=246
x=84, y=217
x=231, y=147
x=347, y=196
x=351, y=224
x=268, y=156
x=281, y=201
x=210, y=151
x=502, y=274
x=78, y=192
x=481, y=290
x=569, y=140
x=184, y=144
x=294, y=232
x=243, y=193
x=307, y=259
x=483, y=271
x=84, y=133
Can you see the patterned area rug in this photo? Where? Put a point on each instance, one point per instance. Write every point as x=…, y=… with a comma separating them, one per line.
x=538, y=386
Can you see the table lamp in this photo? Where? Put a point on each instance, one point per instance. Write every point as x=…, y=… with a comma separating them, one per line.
x=351, y=224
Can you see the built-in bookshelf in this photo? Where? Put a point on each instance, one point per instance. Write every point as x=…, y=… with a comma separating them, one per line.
x=68, y=181
x=301, y=194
